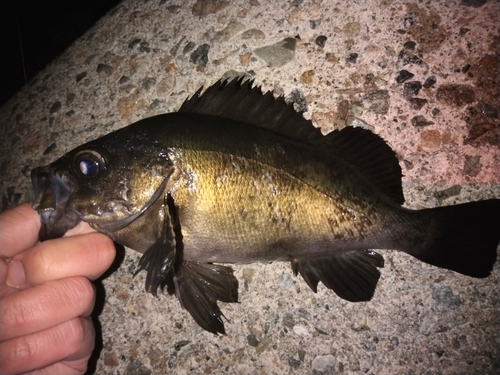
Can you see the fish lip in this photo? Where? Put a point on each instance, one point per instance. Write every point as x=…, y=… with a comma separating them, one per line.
x=52, y=192
x=50, y=189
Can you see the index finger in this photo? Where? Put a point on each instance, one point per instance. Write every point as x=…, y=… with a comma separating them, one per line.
x=19, y=229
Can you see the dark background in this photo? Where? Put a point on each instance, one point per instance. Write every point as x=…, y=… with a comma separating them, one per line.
x=44, y=28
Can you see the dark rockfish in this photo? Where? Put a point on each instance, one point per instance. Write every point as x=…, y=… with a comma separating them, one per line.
x=237, y=176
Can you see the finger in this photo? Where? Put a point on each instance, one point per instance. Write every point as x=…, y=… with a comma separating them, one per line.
x=3, y=275
x=44, y=306
x=19, y=229
x=66, y=367
x=88, y=255
x=12, y=277
x=80, y=228
x=71, y=340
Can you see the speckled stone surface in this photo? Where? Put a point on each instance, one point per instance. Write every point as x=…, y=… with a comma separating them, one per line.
x=423, y=75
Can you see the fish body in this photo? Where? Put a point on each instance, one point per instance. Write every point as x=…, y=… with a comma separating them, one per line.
x=229, y=182
x=237, y=176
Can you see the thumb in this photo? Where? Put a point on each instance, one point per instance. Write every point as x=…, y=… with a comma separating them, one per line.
x=12, y=276
x=16, y=277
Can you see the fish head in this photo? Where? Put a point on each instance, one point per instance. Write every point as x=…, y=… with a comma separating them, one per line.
x=106, y=183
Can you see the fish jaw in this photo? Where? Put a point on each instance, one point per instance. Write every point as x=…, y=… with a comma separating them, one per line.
x=52, y=192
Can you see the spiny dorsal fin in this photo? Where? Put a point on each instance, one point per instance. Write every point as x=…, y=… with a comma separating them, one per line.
x=241, y=101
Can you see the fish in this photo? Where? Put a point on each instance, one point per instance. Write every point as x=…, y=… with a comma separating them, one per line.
x=237, y=175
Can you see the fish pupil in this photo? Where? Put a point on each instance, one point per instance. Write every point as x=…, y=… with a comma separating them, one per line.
x=89, y=168
x=88, y=163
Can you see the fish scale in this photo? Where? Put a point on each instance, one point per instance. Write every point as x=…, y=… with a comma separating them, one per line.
x=226, y=211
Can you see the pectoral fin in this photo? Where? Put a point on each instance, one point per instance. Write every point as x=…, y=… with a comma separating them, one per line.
x=199, y=286
x=352, y=275
x=159, y=259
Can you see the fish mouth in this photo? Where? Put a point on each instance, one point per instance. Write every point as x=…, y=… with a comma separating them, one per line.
x=52, y=193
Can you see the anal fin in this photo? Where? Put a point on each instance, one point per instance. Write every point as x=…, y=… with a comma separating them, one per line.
x=352, y=275
x=199, y=286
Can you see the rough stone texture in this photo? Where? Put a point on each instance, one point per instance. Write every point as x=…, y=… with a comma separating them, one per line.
x=145, y=58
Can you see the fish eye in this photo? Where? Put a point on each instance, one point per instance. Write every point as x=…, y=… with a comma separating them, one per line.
x=88, y=163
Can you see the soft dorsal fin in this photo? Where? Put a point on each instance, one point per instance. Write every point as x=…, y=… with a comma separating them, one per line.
x=370, y=155
x=241, y=101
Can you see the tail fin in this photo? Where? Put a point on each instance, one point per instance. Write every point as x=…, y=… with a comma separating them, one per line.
x=462, y=238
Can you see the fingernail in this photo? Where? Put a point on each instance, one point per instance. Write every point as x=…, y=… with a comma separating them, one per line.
x=15, y=274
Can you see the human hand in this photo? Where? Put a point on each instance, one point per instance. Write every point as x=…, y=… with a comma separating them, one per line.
x=46, y=297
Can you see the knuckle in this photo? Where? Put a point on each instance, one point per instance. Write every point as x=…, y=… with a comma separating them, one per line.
x=19, y=352
x=19, y=313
